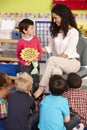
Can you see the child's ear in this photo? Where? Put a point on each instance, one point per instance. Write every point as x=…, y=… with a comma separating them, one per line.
x=30, y=88
x=24, y=31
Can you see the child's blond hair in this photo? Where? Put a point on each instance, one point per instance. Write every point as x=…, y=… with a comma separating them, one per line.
x=24, y=82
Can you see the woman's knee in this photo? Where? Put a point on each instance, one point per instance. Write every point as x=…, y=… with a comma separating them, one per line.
x=51, y=58
x=51, y=61
x=57, y=70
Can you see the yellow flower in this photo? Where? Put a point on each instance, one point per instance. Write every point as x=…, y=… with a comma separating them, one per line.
x=29, y=54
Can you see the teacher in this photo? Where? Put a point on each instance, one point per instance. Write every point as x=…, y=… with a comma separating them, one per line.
x=64, y=39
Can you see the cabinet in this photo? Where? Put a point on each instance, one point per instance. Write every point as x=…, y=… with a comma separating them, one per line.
x=4, y=58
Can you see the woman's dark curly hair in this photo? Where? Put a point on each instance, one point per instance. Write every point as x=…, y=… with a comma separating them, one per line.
x=67, y=19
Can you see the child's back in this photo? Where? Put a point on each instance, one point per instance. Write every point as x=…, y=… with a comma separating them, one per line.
x=20, y=104
x=77, y=97
x=54, y=109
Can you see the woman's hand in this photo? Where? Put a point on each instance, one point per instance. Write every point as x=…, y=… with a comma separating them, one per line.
x=63, y=55
x=44, y=50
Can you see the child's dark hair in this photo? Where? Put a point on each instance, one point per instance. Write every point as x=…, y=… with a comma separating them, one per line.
x=57, y=85
x=24, y=24
x=74, y=80
x=2, y=79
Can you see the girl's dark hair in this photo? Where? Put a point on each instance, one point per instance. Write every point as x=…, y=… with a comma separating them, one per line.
x=74, y=80
x=2, y=79
x=67, y=19
x=57, y=85
x=24, y=24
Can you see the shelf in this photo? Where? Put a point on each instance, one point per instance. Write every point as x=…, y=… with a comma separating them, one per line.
x=2, y=58
x=8, y=40
x=8, y=59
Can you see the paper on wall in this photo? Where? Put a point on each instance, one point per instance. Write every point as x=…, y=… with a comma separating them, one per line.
x=7, y=24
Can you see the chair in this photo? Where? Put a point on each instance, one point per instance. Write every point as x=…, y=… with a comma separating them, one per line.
x=82, y=50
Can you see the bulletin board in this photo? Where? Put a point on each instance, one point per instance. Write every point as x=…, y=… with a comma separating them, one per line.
x=73, y=4
x=42, y=31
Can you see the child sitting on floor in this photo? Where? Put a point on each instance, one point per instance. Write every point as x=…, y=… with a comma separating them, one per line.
x=77, y=97
x=21, y=104
x=4, y=92
x=54, y=109
x=56, y=106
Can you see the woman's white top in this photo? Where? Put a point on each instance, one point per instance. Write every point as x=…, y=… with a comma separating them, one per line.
x=67, y=45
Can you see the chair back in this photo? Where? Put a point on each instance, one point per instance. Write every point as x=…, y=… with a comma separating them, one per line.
x=82, y=50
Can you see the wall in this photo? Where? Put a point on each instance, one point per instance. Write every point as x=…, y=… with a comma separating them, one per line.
x=25, y=6
x=36, y=9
